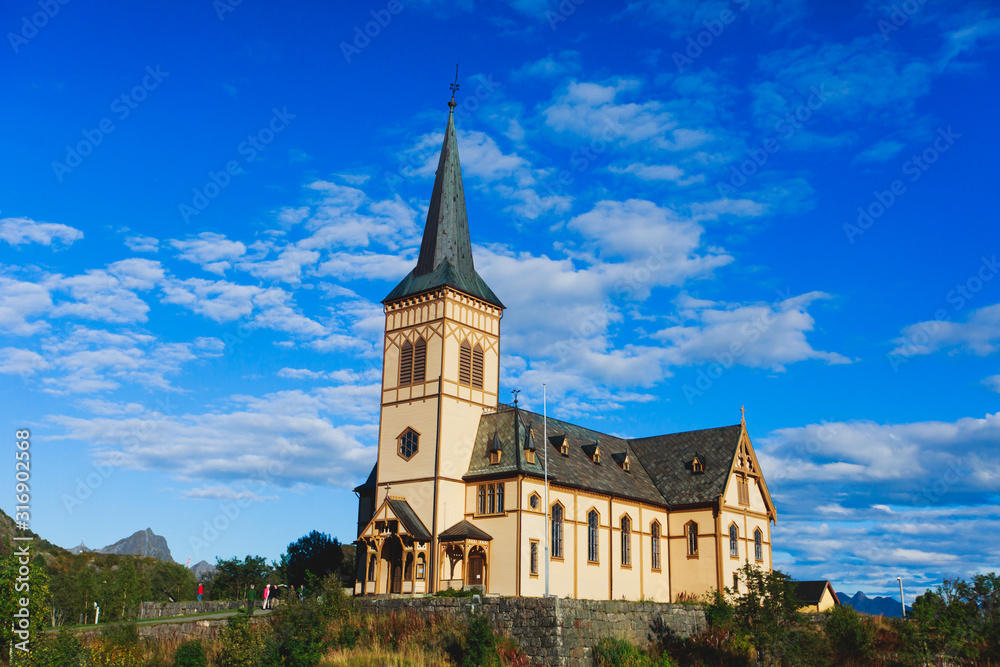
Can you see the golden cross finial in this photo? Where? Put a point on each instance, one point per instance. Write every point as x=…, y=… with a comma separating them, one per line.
x=743, y=414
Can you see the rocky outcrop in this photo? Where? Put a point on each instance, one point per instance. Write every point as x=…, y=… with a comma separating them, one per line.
x=141, y=543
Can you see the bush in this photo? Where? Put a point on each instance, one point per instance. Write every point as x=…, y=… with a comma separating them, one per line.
x=190, y=654
x=480, y=643
x=851, y=636
x=620, y=653
x=454, y=593
x=62, y=650
x=299, y=628
x=241, y=644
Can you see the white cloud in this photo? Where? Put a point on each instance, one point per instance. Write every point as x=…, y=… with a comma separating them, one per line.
x=281, y=439
x=21, y=302
x=14, y=361
x=218, y=300
x=18, y=231
x=755, y=335
x=213, y=252
x=979, y=334
x=659, y=172
x=142, y=244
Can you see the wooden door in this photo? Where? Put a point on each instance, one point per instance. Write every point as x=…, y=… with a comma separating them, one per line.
x=476, y=571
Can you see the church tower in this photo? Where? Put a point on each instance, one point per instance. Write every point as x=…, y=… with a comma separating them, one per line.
x=440, y=370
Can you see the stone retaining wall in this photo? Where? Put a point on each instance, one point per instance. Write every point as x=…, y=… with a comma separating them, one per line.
x=165, y=609
x=556, y=631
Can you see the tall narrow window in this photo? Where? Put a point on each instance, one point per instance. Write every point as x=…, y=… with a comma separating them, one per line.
x=371, y=568
x=534, y=557
x=593, y=552
x=408, y=568
x=465, y=363
x=492, y=493
x=421, y=561
x=758, y=547
x=500, y=486
x=626, y=541
x=482, y=499
x=692, y=538
x=419, y=360
x=406, y=364
x=557, y=531
x=734, y=540
x=654, y=533
x=477, y=366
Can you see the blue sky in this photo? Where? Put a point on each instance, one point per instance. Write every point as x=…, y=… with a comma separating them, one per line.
x=686, y=208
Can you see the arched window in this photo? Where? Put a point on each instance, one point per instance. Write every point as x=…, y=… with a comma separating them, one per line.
x=758, y=547
x=593, y=551
x=408, y=568
x=421, y=561
x=482, y=499
x=419, y=360
x=491, y=491
x=692, y=538
x=734, y=540
x=477, y=366
x=371, y=568
x=654, y=532
x=465, y=363
x=500, y=487
x=406, y=364
x=534, y=557
x=626, y=541
x=557, y=531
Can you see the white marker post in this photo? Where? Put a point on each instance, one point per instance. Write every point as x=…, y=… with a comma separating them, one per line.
x=901, y=601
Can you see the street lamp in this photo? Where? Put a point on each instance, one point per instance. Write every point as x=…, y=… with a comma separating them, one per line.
x=901, y=601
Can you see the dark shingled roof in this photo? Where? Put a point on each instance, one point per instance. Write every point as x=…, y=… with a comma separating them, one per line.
x=463, y=530
x=660, y=470
x=446, y=249
x=411, y=522
x=668, y=458
x=811, y=592
x=369, y=484
x=574, y=469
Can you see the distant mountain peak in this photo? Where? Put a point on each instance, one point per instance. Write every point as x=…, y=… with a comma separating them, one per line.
x=141, y=543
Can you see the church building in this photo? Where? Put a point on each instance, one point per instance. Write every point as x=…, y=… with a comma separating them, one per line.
x=457, y=497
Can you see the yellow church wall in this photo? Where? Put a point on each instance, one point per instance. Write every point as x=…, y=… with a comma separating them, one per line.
x=693, y=575
x=422, y=418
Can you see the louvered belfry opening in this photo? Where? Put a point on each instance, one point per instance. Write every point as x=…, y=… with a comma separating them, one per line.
x=477, y=366
x=465, y=363
x=419, y=360
x=406, y=364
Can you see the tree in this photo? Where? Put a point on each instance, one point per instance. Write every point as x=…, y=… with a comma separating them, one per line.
x=315, y=553
x=22, y=580
x=233, y=577
x=767, y=611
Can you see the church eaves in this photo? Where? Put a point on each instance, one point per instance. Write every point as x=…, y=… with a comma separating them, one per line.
x=446, y=249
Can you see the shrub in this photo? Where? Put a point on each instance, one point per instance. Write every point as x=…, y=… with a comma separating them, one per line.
x=299, y=628
x=190, y=654
x=851, y=636
x=454, y=593
x=241, y=644
x=62, y=650
x=480, y=643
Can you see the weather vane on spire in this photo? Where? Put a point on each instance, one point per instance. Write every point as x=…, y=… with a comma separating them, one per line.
x=454, y=88
x=515, y=392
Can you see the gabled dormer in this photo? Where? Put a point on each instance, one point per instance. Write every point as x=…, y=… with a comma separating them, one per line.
x=593, y=451
x=496, y=449
x=560, y=443
x=697, y=465
x=622, y=459
x=529, y=445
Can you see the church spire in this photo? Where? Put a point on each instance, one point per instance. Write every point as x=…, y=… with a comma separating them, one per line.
x=446, y=249
x=446, y=234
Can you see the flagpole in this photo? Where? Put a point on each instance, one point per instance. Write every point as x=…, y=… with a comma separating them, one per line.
x=545, y=447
